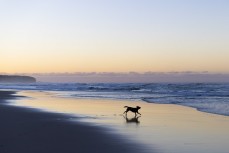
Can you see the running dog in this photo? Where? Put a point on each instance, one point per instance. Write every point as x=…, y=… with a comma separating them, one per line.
x=132, y=109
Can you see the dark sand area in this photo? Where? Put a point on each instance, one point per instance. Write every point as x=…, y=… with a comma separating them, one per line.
x=24, y=130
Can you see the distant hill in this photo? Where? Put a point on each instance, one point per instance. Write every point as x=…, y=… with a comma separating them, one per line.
x=16, y=79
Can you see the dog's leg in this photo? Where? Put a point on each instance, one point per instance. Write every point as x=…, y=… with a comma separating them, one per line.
x=126, y=112
x=139, y=113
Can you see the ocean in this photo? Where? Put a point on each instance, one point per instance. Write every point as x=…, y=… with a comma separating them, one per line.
x=206, y=97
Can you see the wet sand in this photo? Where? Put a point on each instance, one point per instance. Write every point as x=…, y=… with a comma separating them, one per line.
x=30, y=131
x=163, y=128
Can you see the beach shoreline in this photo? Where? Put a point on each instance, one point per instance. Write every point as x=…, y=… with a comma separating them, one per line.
x=163, y=128
x=27, y=130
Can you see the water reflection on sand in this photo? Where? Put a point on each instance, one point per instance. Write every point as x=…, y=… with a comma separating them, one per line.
x=171, y=128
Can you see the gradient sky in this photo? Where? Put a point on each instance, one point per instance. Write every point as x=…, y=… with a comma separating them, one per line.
x=114, y=35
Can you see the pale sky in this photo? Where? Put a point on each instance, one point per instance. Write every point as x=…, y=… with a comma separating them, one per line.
x=40, y=36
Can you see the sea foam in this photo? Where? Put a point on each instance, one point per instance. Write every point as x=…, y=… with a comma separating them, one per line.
x=207, y=97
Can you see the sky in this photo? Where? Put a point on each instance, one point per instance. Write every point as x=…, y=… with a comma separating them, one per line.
x=114, y=36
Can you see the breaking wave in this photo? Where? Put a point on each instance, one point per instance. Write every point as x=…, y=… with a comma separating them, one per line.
x=207, y=97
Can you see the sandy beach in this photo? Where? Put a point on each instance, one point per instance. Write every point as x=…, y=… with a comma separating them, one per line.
x=45, y=122
x=27, y=130
x=69, y=70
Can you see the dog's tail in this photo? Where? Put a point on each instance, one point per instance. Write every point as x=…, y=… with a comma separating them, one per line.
x=125, y=106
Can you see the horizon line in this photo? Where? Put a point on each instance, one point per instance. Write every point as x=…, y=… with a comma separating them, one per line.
x=110, y=72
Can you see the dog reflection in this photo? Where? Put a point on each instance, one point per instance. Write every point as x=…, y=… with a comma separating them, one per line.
x=132, y=120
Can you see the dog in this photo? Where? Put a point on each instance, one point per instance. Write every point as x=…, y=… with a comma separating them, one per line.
x=132, y=109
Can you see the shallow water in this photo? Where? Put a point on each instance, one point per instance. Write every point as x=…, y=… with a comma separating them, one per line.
x=168, y=128
x=207, y=97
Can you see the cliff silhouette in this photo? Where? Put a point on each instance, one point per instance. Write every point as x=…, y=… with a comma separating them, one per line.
x=16, y=79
